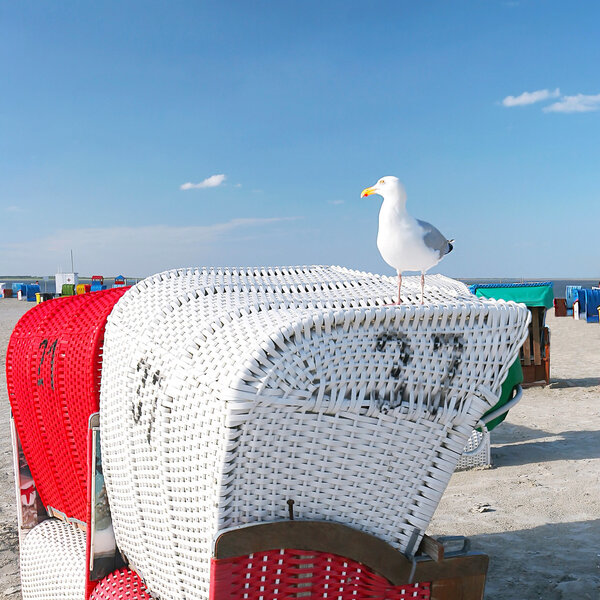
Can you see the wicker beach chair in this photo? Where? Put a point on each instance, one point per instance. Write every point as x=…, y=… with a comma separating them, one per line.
x=538, y=297
x=533, y=364
x=227, y=393
x=53, y=368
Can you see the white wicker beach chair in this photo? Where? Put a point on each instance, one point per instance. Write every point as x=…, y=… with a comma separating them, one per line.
x=227, y=393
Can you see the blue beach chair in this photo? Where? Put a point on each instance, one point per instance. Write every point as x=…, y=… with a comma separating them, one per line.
x=571, y=294
x=592, y=302
x=570, y=297
x=31, y=291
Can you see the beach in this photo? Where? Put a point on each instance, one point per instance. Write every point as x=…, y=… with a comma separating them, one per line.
x=536, y=512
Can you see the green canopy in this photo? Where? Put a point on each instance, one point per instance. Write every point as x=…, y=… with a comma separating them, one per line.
x=530, y=294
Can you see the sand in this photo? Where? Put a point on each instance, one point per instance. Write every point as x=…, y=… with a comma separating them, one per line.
x=541, y=527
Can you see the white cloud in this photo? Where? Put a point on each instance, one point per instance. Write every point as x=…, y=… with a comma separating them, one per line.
x=577, y=103
x=530, y=97
x=141, y=251
x=209, y=182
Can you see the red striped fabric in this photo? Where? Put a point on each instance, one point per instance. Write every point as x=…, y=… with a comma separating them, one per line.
x=287, y=574
x=121, y=584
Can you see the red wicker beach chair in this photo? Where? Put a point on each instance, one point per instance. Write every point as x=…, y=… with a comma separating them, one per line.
x=53, y=366
x=53, y=369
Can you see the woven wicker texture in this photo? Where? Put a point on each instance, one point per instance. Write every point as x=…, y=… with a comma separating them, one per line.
x=227, y=392
x=53, y=562
x=53, y=368
x=286, y=574
x=476, y=452
x=119, y=585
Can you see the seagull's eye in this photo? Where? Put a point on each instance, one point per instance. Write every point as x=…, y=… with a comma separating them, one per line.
x=381, y=181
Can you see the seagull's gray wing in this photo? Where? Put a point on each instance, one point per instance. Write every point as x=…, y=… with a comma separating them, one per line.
x=434, y=239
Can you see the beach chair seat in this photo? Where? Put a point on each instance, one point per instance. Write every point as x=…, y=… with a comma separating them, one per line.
x=294, y=559
x=227, y=393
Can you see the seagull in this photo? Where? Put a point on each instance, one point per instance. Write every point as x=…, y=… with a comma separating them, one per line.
x=405, y=243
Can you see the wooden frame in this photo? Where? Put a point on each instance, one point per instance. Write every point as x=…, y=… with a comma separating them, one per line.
x=535, y=352
x=457, y=577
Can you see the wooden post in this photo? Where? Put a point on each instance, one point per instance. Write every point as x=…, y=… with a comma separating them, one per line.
x=526, y=349
x=537, y=348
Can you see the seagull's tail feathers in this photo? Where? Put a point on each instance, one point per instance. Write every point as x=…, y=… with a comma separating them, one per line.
x=450, y=246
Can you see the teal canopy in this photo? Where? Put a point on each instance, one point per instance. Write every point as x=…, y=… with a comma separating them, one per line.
x=530, y=294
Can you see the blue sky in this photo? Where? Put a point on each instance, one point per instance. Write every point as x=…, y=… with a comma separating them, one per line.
x=278, y=114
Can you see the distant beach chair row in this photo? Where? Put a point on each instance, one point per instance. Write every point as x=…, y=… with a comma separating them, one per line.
x=586, y=305
x=22, y=291
x=32, y=293
x=97, y=285
x=580, y=303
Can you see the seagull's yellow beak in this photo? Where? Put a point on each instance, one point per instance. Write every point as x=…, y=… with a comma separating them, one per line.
x=368, y=192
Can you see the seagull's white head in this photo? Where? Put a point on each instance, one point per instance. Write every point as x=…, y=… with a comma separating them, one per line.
x=389, y=187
